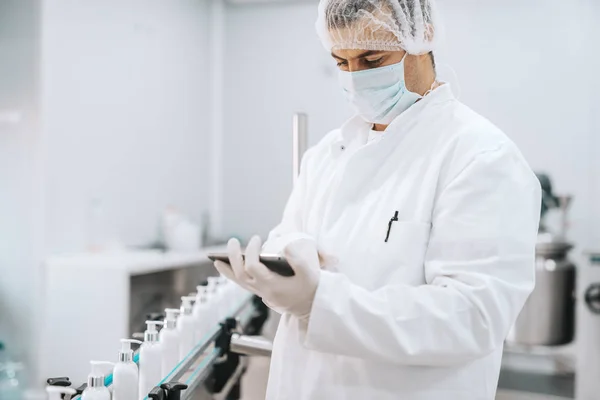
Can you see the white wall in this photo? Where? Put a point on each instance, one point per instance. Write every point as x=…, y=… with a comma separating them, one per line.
x=524, y=65
x=115, y=102
x=126, y=113
x=593, y=107
x=20, y=176
x=275, y=66
x=527, y=66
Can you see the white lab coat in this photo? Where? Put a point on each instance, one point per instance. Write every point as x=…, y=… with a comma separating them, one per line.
x=424, y=315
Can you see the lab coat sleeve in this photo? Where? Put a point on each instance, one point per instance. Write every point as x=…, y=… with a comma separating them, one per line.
x=479, y=269
x=291, y=228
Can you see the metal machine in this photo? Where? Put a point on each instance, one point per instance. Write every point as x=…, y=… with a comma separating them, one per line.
x=537, y=356
x=213, y=369
x=548, y=317
x=587, y=379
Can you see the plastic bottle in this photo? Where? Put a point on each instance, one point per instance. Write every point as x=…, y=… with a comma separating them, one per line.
x=231, y=295
x=126, y=374
x=56, y=392
x=223, y=301
x=226, y=299
x=214, y=300
x=169, y=341
x=11, y=386
x=170, y=220
x=3, y=355
x=240, y=293
x=186, y=325
x=150, y=360
x=201, y=314
x=95, y=389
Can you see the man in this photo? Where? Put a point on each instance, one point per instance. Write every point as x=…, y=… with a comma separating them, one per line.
x=429, y=212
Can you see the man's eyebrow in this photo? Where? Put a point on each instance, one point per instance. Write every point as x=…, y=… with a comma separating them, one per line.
x=361, y=55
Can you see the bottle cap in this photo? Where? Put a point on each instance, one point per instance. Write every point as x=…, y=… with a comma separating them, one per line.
x=186, y=305
x=202, y=295
x=56, y=392
x=96, y=377
x=213, y=284
x=171, y=318
x=151, y=334
x=126, y=354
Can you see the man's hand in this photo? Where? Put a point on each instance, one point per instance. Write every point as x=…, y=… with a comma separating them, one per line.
x=293, y=294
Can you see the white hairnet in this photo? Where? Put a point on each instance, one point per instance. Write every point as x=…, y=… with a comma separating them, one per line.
x=410, y=25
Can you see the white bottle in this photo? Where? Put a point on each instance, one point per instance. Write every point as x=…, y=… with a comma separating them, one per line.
x=223, y=301
x=201, y=314
x=233, y=302
x=170, y=220
x=95, y=389
x=150, y=360
x=226, y=299
x=169, y=341
x=186, y=325
x=125, y=374
x=56, y=392
x=214, y=297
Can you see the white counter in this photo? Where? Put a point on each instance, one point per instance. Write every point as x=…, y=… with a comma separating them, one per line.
x=88, y=300
x=132, y=262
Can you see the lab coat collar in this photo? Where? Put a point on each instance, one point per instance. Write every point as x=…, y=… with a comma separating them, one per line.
x=358, y=126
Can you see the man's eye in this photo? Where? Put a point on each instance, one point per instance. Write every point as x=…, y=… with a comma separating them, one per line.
x=373, y=63
x=340, y=63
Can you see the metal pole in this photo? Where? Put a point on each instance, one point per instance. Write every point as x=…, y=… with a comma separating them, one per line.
x=251, y=345
x=300, y=141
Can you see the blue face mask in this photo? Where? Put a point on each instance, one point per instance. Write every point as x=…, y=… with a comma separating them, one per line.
x=378, y=95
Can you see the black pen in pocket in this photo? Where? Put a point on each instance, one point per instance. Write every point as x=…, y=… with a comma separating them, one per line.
x=394, y=218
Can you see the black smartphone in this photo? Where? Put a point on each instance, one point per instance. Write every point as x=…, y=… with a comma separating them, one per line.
x=275, y=263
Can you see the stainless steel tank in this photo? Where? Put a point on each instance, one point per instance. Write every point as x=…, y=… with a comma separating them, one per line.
x=588, y=330
x=548, y=317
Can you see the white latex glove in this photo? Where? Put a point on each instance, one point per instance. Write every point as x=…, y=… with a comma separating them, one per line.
x=327, y=261
x=293, y=294
x=276, y=245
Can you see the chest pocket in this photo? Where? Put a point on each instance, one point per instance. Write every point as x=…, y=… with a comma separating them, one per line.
x=401, y=258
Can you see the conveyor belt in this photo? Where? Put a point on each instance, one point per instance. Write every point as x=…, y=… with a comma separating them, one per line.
x=196, y=367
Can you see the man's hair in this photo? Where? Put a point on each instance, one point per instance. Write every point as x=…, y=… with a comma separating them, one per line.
x=344, y=14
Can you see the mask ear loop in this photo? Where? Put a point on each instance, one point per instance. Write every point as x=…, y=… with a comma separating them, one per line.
x=434, y=85
x=456, y=82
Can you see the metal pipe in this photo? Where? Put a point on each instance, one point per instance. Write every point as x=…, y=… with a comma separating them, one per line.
x=300, y=141
x=251, y=345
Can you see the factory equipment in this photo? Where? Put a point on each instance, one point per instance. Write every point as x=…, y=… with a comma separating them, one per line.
x=213, y=368
x=152, y=281
x=548, y=317
x=122, y=288
x=588, y=330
